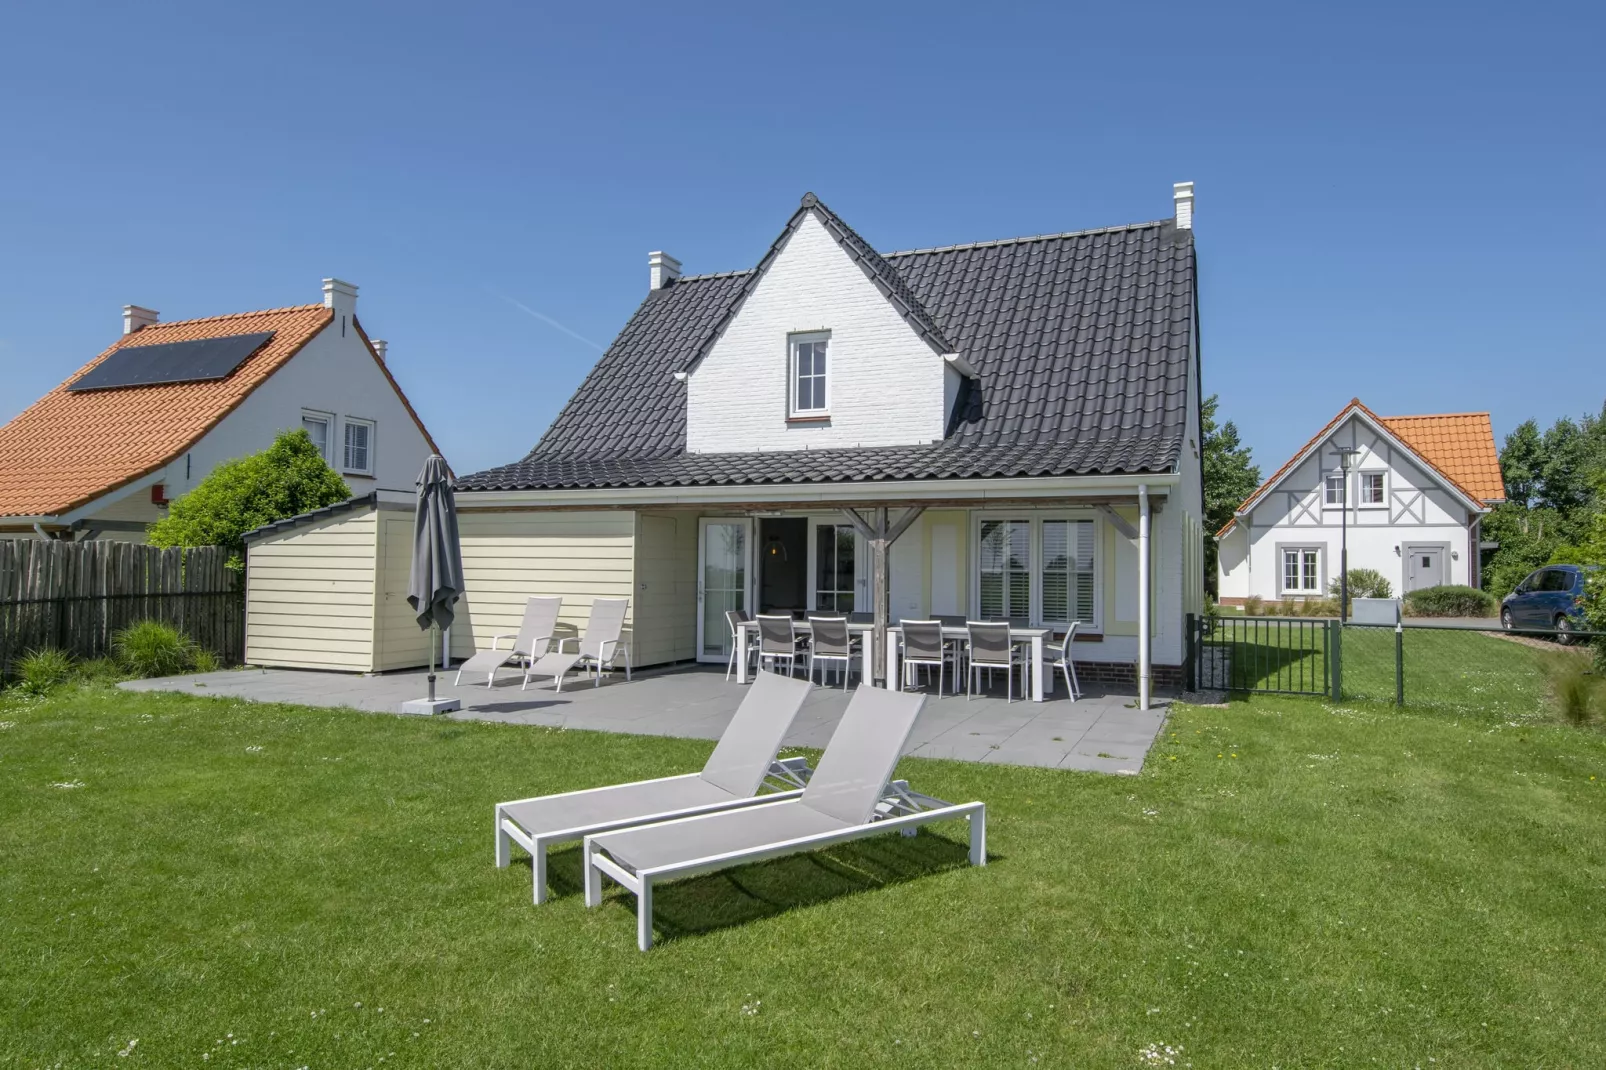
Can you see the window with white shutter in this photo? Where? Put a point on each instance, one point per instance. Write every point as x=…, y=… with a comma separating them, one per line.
x=1004, y=570
x=1067, y=571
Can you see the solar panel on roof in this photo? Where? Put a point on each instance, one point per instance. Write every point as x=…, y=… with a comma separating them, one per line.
x=171, y=362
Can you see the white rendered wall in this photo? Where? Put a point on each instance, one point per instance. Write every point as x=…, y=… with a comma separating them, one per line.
x=331, y=374
x=1417, y=509
x=887, y=387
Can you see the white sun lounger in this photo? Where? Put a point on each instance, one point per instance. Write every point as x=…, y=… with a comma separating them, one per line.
x=847, y=798
x=743, y=761
x=534, y=638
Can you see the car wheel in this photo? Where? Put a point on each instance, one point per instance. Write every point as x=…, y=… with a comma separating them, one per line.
x=1505, y=620
x=1564, y=630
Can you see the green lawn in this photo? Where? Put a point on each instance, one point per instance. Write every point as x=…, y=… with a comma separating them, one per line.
x=1288, y=883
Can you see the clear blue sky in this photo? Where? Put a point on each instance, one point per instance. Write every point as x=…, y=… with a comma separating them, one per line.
x=1400, y=202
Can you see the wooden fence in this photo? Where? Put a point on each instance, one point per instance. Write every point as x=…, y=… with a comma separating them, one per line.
x=75, y=596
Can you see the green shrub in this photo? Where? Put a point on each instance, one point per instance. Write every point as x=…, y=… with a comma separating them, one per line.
x=151, y=648
x=287, y=478
x=99, y=671
x=1288, y=608
x=1449, y=600
x=205, y=661
x=1254, y=606
x=1364, y=583
x=42, y=671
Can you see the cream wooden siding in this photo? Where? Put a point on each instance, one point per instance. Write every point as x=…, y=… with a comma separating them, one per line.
x=666, y=588
x=509, y=556
x=399, y=643
x=310, y=595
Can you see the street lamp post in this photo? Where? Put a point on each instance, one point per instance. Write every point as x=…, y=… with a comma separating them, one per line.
x=1346, y=458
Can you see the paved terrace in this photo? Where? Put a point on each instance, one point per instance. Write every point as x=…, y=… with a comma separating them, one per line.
x=1100, y=732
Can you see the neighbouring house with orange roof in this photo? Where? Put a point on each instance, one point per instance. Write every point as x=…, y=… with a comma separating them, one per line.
x=101, y=455
x=1412, y=503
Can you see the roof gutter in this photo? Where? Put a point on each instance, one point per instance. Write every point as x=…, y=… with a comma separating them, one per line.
x=980, y=490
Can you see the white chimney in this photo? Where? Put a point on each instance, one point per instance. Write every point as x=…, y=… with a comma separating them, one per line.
x=342, y=297
x=135, y=317
x=665, y=269
x=380, y=345
x=1182, y=193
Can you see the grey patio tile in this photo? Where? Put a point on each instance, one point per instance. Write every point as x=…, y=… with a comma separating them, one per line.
x=698, y=704
x=1036, y=756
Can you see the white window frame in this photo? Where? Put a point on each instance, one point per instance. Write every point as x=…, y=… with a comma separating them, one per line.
x=1034, y=519
x=1327, y=484
x=357, y=421
x=1283, y=550
x=328, y=421
x=1360, y=483
x=793, y=341
x=861, y=564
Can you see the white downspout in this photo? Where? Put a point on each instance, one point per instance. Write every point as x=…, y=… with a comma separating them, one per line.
x=1145, y=670
x=39, y=529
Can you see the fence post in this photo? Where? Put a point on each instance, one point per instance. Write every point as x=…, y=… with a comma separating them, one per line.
x=1336, y=633
x=1399, y=663
x=1190, y=671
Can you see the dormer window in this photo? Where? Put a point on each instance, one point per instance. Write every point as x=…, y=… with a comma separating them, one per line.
x=810, y=379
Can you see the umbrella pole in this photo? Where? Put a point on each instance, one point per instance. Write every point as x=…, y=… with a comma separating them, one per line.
x=434, y=641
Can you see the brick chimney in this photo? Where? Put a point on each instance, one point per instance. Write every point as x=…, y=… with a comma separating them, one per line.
x=135, y=317
x=1182, y=193
x=663, y=268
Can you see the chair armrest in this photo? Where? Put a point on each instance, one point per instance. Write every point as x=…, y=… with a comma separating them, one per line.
x=575, y=639
x=541, y=644
x=496, y=640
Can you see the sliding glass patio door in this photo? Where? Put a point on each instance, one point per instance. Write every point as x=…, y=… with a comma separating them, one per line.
x=724, y=581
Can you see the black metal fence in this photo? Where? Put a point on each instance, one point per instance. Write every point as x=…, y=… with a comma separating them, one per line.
x=1277, y=655
x=77, y=596
x=1418, y=663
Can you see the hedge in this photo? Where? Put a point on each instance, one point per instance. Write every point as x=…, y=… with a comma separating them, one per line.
x=1449, y=600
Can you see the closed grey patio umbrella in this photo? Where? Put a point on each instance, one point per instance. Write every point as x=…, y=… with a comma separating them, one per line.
x=436, y=582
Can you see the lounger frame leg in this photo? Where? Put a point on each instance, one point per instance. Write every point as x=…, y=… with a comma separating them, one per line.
x=504, y=844
x=978, y=838
x=644, y=915
x=593, y=875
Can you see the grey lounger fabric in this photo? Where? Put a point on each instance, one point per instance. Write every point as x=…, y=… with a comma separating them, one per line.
x=533, y=639
x=842, y=793
x=743, y=758
x=847, y=798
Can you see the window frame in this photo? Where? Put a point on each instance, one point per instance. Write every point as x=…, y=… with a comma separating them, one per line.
x=345, y=446
x=861, y=565
x=328, y=421
x=1286, y=548
x=1383, y=488
x=1034, y=520
x=1327, y=485
x=793, y=342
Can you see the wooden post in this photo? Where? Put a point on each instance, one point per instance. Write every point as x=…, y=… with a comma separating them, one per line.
x=881, y=535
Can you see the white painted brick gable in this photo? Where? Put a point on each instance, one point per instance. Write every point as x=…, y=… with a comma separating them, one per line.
x=888, y=388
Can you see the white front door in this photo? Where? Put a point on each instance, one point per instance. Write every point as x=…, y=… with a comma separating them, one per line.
x=724, y=581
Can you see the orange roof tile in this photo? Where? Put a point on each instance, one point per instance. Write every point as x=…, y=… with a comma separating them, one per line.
x=67, y=449
x=1458, y=446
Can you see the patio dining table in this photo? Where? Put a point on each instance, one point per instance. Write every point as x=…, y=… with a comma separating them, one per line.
x=1033, y=638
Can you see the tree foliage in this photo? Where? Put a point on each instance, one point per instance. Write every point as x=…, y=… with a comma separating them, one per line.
x=1556, y=497
x=287, y=478
x=1230, y=476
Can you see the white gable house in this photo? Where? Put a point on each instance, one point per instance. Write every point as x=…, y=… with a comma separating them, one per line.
x=1408, y=506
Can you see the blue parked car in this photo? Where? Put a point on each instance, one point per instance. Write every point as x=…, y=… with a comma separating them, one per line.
x=1550, y=599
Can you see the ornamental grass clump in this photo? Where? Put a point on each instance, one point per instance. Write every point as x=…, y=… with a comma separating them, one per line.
x=151, y=648
x=42, y=671
x=1577, y=691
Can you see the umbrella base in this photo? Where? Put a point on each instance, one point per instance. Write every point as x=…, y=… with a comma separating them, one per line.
x=431, y=706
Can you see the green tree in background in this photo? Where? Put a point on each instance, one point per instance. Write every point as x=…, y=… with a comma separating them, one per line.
x=287, y=478
x=1230, y=476
x=1556, y=498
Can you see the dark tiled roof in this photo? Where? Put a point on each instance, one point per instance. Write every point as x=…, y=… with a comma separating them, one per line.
x=1080, y=344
